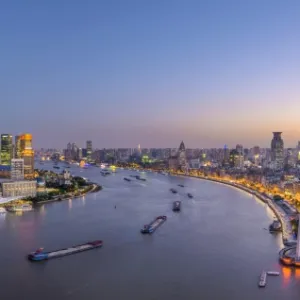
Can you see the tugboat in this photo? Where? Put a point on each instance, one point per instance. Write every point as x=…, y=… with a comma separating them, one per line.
x=189, y=195
x=39, y=254
x=181, y=185
x=127, y=179
x=262, y=279
x=173, y=191
x=275, y=226
x=176, y=205
x=150, y=228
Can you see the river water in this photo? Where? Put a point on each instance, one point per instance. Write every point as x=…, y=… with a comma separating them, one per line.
x=215, y=248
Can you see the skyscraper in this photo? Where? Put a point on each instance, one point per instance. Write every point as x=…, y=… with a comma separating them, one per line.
x=277, y=154
x=24, y=150
x=89, y=150
x=17, y=169
x=6, y=149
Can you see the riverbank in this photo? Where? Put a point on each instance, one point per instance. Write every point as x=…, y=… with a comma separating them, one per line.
x=287, y=236
x=94, y=188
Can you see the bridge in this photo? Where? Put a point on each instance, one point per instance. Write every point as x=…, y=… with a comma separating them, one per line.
x=9, y=199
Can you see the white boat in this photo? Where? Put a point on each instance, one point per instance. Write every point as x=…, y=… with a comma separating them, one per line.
x=262, y=279
x=273, y=273
x=2, y=210
x=16, y=208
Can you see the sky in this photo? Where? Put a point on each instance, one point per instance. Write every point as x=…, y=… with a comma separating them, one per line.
x=129, y=72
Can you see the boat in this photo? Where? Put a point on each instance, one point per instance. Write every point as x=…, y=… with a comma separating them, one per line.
x=189, y=195
x=173, y=191
x=140, y=178
x=56, y=167
x=273, y=273
x=150, y=228
x=2, y=210
x=127, y=179
x=181, y=185
x=262, y=279
x=17, y=208
x=275, y=226
x=176, y=205
x=39, y=254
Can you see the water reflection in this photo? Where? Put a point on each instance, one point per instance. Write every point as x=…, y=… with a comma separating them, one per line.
x=70, y=204
x=286, y=275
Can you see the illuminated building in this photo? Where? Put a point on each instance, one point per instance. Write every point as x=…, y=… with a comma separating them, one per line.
x=182, y=162
x=6, y=149
x=277, y=155
x=89, y=150
x=17, y=169
x=24, y=150
x=19, y=188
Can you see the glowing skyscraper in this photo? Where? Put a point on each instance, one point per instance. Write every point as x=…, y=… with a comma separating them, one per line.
x=6, y=149
x=24, y=150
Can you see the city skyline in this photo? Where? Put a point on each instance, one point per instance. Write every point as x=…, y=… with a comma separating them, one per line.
x=154, y=73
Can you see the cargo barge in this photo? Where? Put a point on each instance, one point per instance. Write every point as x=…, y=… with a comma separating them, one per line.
x=176, y=206
x=150, y=228
x=40, y=255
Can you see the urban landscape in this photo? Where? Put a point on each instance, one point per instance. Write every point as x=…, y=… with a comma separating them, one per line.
x=150, y=150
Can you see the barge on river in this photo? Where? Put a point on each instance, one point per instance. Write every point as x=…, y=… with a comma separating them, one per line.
x=39, y=254
x=150, y=228
x=176, y=206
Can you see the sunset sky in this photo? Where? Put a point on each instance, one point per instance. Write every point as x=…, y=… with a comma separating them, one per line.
x=126, y=72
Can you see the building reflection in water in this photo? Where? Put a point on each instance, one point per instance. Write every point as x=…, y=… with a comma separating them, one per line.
x=286, y=275
x=83, y=200
x=70, y=204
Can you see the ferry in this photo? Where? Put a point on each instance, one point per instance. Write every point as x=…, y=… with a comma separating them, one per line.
x=189, y=195
x=262, y=279
x=127, y=179
x=181, y=185
x=2, y=210
x=39, y=254
x=17, y=208
x=275, y=226
x=273, y=273
x=176, y=205
x=173, y=191
x=150, y=228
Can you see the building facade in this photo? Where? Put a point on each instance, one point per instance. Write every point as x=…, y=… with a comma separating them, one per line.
x=19, y=188
x=277, y=151
x=6, y=149
x=17, y=169
x=89, y=150
x=24, y=150
x=182, y=161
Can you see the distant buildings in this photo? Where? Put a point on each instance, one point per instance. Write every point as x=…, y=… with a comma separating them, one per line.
x=17, y=169
x=277, y=153
x=6, y=149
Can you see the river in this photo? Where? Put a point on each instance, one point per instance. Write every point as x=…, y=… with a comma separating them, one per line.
x=215, y=248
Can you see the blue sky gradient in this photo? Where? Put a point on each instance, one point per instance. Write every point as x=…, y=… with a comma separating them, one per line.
x=126, y=72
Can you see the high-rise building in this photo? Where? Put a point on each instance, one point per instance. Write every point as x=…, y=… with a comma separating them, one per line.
x=24, y=150
x=182, y=161
x=17, y=169
x=277, y=154
x=89, y=150
x=6, y=149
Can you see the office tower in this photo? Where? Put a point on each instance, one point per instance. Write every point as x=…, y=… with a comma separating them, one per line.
x=89, y=150
x=277, y=154
x=24, y=150
x=6, y=149
x=182, y=161
x=17, y=169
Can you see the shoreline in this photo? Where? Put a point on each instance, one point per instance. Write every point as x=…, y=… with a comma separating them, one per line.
x=286, y=236
x=96, y=188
